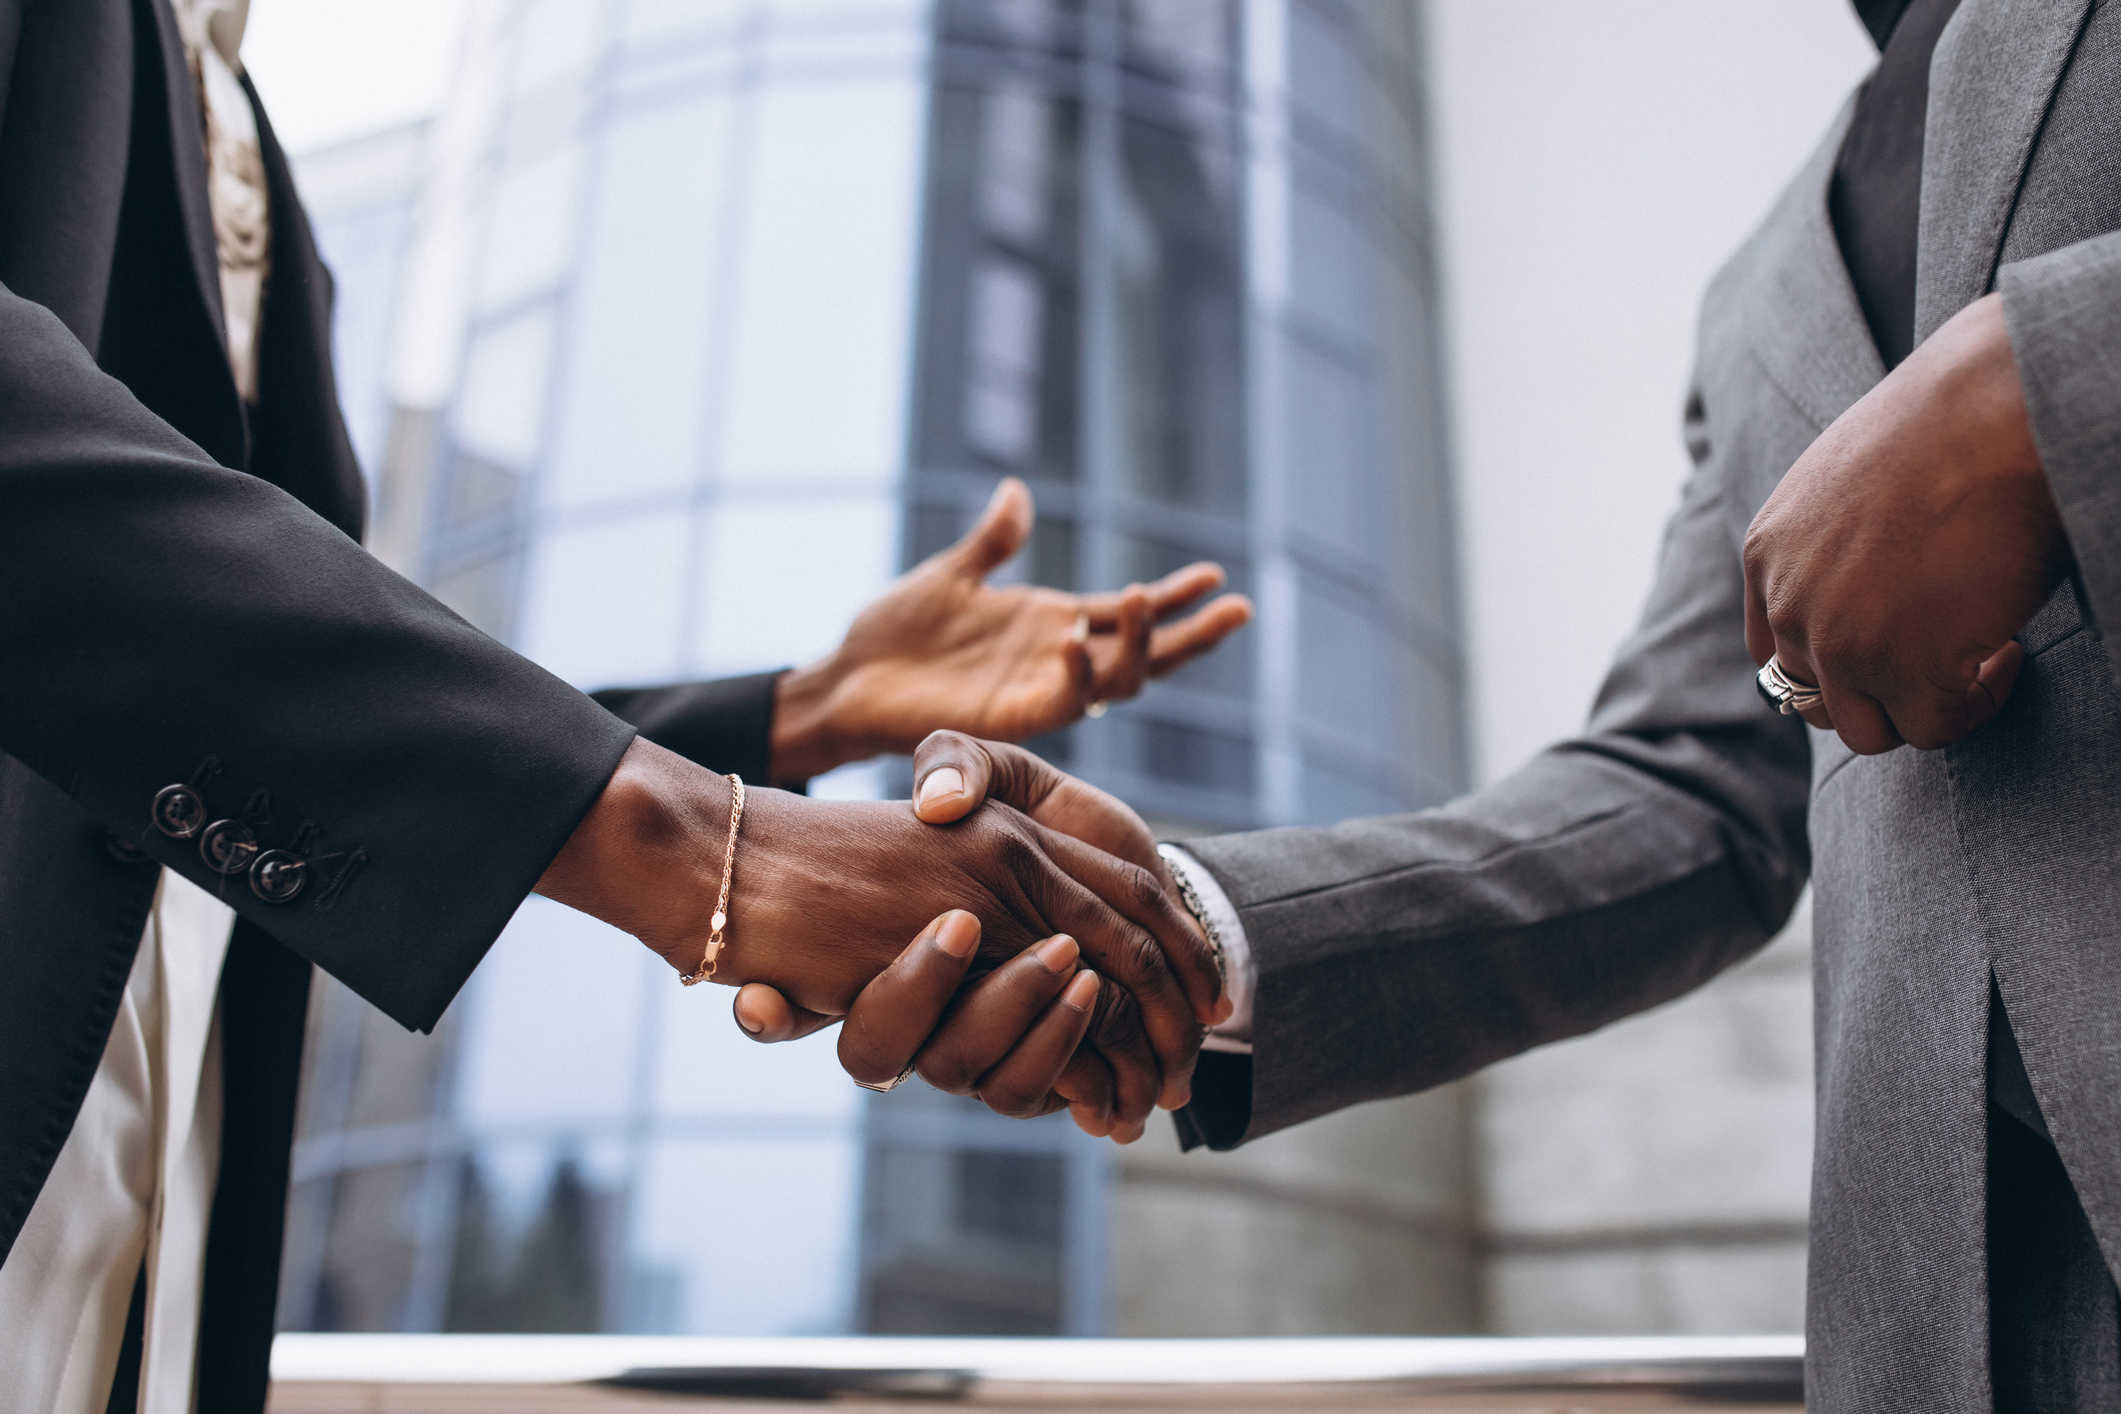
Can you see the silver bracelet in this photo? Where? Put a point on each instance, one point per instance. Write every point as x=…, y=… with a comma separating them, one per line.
x=1190, y=897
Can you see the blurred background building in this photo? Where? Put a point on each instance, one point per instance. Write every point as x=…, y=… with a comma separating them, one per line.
x=670, y=330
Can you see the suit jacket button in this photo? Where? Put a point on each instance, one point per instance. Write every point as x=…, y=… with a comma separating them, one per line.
x=228, y=846
x=278, y=875
x=122, y=849
x=179, y=811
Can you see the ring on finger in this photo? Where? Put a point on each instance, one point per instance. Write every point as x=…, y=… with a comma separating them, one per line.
x=887, y=1086
x=1786, y=694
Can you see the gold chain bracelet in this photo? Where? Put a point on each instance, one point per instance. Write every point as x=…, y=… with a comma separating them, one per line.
x=721, y=904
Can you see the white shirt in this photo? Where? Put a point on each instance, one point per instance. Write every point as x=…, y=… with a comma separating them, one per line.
x=133, y=1186
x=133, y=1183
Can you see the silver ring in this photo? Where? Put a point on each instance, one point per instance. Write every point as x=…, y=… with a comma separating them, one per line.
x=1784, y=693
x=889, y=1085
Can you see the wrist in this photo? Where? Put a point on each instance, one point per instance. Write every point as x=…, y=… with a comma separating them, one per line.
x=1976, y=383
x=646, y=858
x=810, y=736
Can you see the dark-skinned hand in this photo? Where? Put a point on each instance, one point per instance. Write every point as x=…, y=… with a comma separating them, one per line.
x=954, y=774
x=826, y=892
x=1896, y=560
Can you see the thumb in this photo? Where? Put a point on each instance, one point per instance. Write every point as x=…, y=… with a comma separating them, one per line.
x=951, y=775
x=1002, y=530
x=1992, y=685
x=764, y=1014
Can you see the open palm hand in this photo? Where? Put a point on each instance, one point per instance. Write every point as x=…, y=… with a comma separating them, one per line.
x=944, y=648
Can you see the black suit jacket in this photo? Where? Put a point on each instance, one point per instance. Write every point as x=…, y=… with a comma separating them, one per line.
x=183, y=598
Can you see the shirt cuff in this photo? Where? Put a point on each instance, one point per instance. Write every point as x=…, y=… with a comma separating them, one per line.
x=1220, y=917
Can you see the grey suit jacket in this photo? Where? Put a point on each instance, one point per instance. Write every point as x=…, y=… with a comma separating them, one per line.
x=1672, y=838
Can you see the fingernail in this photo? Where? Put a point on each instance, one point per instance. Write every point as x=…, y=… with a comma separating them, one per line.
x=1081, y=991
x=944, y=783
x=748, y=1024
x=1224, y=1010
x=1058, y=954
x=958, y=935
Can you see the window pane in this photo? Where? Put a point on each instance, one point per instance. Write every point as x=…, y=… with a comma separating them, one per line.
x=531, y=1237
x=530, y=229
x=556, y=37
x=705, y=1068
x=554, y=973
x=500, y=408
x=744, y=1236
x=1329, y=261
x=825, y=283
x=603, y=602
x=645, y=315
x=783, y=580
x=1330, y=449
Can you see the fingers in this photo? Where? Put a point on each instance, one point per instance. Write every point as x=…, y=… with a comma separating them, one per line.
x=1166, y=596
x=1182, y=954
x=1860, y=719
x=1994, y=683
x=995, y=1014
x=1001, y=531
x=764, y=1015
x=1086, y=1085
x=1129, y=1059
x=1120, y=659
x=1022, y=1084
x=1108, y=905
x=1932, y=715
x=1175, y=645
x=895, y=1013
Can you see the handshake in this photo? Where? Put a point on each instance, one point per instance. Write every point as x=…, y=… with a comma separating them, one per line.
x=1040, y=914
x=1047, y=893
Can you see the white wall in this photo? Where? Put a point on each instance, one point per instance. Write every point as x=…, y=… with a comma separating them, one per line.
x=1598, y=161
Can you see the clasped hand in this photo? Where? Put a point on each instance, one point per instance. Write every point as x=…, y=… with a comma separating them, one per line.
x=1896, y=560
x=1008, y=1038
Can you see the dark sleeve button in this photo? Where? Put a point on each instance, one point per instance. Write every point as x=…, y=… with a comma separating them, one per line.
x=179, y=811
x=228, y=846
x=278, y=875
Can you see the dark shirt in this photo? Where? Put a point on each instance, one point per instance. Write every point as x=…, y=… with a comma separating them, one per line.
x=1876, y=196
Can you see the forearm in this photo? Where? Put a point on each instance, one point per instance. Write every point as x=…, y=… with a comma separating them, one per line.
x=1392, y=955
x=1608, y=874
x=640, y=858
x=168, y=620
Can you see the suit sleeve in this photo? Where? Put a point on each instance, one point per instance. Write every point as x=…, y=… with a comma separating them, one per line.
x=165, y=620
x=2063, y=311
x=1612, y=872
x=725, y=724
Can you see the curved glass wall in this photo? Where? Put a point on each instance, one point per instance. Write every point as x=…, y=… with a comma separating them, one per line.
x=760, y=299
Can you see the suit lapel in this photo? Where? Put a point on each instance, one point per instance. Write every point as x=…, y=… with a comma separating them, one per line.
x=1799, y=312
x=1993, y=76
x=187, y=133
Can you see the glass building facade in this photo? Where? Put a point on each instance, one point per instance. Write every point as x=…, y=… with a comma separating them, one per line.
x=753, y=301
